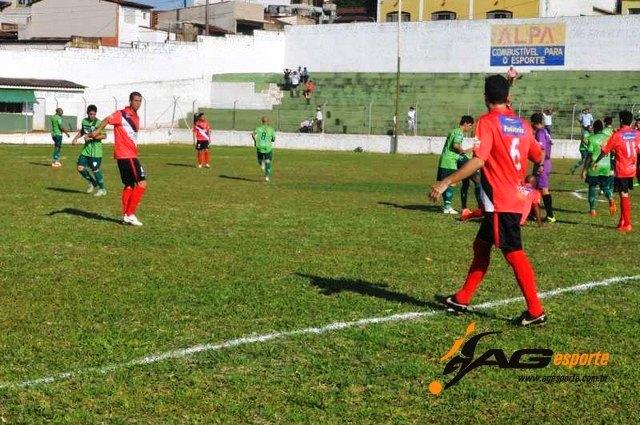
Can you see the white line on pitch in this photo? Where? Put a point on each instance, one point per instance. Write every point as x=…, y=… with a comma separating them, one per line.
x=254, y=339
x=578, y=193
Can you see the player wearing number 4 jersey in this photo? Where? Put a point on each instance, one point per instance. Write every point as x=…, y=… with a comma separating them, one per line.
x=625, y=145
x=504, y=142
x=126, y=124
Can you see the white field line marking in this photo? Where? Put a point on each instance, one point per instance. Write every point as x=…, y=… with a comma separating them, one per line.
x=579, y=194
x=254, y=339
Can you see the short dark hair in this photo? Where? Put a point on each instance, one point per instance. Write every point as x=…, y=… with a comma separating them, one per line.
x=626, y=117
x=536, y=118
x=598, y=126
x=466, y=119
x=496, y=89
x=92, y=108
x=197, y=116
x=608, y=120
x=134, y=94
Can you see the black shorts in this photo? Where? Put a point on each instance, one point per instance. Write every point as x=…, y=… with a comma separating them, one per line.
x=264, y=156
x=131, y=171
x=623, y=185
x=202, y=145
x=501, y=230
x=444, y=173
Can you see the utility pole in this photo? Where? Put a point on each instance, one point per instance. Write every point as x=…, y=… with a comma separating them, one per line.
x=206, y=19
x=396, y=128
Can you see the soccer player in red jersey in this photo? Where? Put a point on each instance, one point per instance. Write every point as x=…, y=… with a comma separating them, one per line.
x=126, y=124
x=504, y=142
x=625, y=144
x=201, y=139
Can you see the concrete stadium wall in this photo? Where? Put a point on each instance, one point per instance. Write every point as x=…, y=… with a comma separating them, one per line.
x=604, y=43
x=323, y=142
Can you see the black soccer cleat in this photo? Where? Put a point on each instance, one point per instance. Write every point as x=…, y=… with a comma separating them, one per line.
x=525, y=319
x=450, y=304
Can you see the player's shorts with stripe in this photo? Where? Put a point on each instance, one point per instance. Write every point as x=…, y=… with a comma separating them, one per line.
x=501, y=230
x=131, y=171
x=202, y=145
x=623, y=184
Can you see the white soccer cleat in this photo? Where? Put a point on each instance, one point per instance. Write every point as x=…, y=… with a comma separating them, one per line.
x=266, y=178
x=90, y=188
x=207, y=165
x=450, y=211
x=132, y=220
x=101, y=192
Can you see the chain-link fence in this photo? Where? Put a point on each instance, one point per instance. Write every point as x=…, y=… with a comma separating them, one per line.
x=377, y=118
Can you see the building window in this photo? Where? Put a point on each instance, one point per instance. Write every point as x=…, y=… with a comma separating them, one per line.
x=11, y=108
x=634, y=11
x=499, y=14
x=393, y=17
x=443, y=15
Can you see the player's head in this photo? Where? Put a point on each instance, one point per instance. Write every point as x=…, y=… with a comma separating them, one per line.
x=496, y=90
x=608, y=121
x=197, y=117
x=466, y=122
x=536, y=120
x=59, y=111
x=626, y=117
x=598, y=126
x=92, y=111
x=411, y=108
x=264, y=120
x=135, y=100
x=531, y=179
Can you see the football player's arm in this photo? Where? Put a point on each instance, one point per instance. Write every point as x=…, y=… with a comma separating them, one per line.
x=467, y=170
x=77, y=136
x=100, y=130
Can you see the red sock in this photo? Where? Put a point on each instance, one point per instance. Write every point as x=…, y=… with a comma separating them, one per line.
x=625, y=210
x=126, y=196
x=134, y=200
x=206, y=157
x=526, y=280
x=479, y=267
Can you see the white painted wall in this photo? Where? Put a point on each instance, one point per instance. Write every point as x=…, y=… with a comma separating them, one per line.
x=593, y=43
x=556, y=8
x=129, y=22
x=324, y=142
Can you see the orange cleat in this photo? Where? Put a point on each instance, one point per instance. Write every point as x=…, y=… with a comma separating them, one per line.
x=477, y=213
x=625, y=229
x=465, y=214
x=612, y=207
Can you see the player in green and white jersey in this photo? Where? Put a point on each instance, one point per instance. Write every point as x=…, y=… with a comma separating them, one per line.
x=264, y=138
x=600, y=175
x=90, y=158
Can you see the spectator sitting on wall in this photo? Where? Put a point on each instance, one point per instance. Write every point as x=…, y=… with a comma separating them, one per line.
x=306, y=126
x=295, y=82
x=309, y=88
x=512, y=75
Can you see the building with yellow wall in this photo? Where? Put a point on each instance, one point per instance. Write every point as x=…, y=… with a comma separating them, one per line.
x=631, y=7
x=434, y=10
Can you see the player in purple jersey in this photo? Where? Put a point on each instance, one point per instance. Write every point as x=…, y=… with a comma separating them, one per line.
x=543, y=172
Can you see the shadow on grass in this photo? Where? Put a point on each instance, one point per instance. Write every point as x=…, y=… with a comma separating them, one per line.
x=65, y=190
x=576, y=223
x=40, y=164
x=330, y=286
x=422, y=207
x=85, y=214
x=174, y=164
x=569, y=211
x=244, y=179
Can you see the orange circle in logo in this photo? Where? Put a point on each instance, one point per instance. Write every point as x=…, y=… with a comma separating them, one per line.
x=435, y=387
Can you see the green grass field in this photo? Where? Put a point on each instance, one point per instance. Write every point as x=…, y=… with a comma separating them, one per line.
x=335, y=237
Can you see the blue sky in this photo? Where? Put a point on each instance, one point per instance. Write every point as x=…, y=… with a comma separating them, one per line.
x=164, y=4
